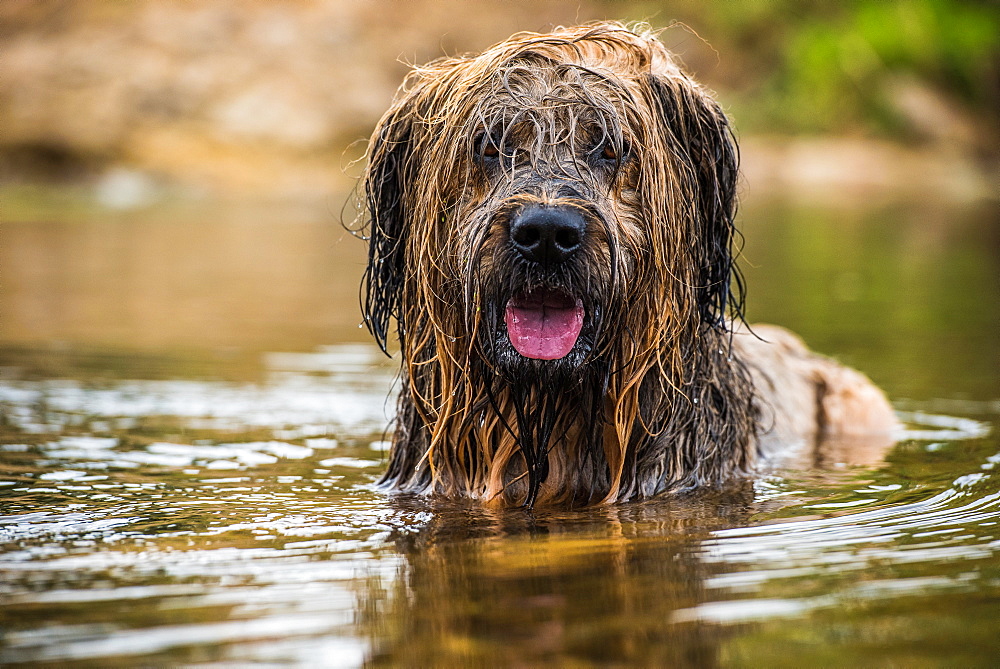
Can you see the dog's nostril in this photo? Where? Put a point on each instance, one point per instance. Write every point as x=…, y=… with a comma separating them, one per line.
x=526, y=235
x=567, y=239
x=547, y=235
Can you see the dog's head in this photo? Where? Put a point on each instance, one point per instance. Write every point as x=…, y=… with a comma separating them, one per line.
x=558, y=199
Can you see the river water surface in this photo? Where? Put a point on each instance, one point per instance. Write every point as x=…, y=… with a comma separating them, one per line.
x=191, y=424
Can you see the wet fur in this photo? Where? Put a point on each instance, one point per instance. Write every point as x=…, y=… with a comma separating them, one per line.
x=654, y=397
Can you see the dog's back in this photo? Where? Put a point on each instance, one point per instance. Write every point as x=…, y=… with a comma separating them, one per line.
x=808, y=401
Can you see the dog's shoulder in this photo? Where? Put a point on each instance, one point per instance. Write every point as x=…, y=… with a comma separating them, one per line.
x=807, y=398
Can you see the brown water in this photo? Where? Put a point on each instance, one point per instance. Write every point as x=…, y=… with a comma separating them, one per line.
x=191, y=423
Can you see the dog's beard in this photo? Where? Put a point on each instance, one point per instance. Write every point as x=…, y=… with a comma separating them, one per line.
x=548, y=398
x=544, y=413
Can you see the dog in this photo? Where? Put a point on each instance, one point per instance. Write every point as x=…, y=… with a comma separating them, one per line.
x=551, y=229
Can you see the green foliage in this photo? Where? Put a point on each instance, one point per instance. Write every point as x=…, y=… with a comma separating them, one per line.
x=841, y=71
x=819, y=66
x=840, y=74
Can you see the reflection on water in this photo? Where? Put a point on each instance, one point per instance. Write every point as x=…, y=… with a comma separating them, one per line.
x=215, y=503
x=182, y=280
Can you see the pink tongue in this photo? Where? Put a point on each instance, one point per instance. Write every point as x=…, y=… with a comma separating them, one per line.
x=545, y=328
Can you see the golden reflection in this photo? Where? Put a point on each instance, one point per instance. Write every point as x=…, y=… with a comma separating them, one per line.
x=202, y=277
x=513, y=588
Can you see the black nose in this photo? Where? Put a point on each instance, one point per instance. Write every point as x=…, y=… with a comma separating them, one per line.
x=547, y=235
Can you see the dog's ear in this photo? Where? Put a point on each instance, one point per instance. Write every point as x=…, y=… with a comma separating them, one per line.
x=391, y=169
x=698, y=132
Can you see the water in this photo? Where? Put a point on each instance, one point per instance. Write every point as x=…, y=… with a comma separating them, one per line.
x=192, y=423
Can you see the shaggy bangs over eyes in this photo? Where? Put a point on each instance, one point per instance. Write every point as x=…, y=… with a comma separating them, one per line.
x=533, y=104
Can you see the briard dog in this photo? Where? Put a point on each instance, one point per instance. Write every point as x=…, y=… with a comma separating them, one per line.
x=551, y=229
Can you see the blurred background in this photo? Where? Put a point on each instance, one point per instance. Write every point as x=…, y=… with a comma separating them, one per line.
x=173, y=175
x=261, y=99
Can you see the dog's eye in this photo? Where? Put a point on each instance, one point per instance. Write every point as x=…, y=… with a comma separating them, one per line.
x=488, y=147
x=610, y=152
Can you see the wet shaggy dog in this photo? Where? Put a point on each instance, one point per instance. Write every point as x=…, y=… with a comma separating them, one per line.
x=551, y=229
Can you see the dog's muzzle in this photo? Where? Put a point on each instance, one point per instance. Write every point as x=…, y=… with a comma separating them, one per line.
x=545, y=323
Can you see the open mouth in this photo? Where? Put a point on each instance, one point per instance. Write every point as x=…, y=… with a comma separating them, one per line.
x=544, y=324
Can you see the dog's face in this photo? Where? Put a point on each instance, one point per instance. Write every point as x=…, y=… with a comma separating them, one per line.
x=557, y=200
x=553, y=211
